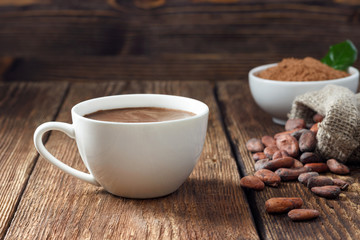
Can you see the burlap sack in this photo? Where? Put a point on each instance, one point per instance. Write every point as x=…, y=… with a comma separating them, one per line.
x=339, y=133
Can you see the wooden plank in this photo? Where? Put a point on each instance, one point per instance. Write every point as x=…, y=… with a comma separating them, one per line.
x=119, y=27
x=66, y=33
x=22, y=108
x=209, y=205
x=339, y=219
x=212, y=67
x=181, y=40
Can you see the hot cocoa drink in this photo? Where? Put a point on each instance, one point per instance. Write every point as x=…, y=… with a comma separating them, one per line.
x=139, y=115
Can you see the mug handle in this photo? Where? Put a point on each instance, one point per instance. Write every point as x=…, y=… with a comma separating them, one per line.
x=68, y=129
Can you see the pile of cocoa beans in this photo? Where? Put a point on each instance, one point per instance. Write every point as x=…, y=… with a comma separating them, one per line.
x=289, y=156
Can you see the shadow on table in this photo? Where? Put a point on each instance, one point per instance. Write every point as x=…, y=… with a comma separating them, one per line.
x=200, y=201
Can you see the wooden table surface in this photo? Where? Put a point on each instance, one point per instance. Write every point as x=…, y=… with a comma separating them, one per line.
x=38, y=201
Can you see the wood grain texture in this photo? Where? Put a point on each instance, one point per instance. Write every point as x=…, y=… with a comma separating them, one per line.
x=209, y=205
x=99, y=28
x=181, y=40
x=149, y=4
x=211, y=67
x=175, y=67
x=339, y=219
x=61, y=32
x=23, y=2
x=22, y=109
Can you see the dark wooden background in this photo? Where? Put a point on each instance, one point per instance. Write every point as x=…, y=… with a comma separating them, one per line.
x=77, y=40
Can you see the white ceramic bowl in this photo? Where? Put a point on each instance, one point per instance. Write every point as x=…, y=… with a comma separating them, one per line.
x=276, y=97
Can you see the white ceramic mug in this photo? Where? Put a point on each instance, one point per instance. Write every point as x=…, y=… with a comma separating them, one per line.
x=135, y=160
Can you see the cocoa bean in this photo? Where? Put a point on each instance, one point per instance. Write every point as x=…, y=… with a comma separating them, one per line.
x=307, y=141
x=303, y=214
x=341, y=183
x=297, y=164
x=280, y=154
x=268, y=177
x=252, y=182
x=269, y=151
x=310, y=157
x=258, y=156
x=304, y=177
x=282, y=204
x=298, y=133
x=288, y=174
x=294, y=123
x=285, y=133
x=315, y=128
x=318, y=117
x=260, y=164
x=329, y=192
x=285, y=162
x=317, y=167
x=289, y=144
x=336, y=167
x=268, y=141
x=255, y=145
x=319, y=181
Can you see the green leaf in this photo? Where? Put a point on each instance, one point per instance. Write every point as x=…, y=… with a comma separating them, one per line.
x=341, y=55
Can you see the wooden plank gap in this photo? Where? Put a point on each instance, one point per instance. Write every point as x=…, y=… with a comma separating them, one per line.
x=249, y=194
x=227, y=134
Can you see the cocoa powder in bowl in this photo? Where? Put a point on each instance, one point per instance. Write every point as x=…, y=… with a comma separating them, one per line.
x=307, y=69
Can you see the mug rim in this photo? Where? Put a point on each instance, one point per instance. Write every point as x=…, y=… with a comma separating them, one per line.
x=75, y=109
